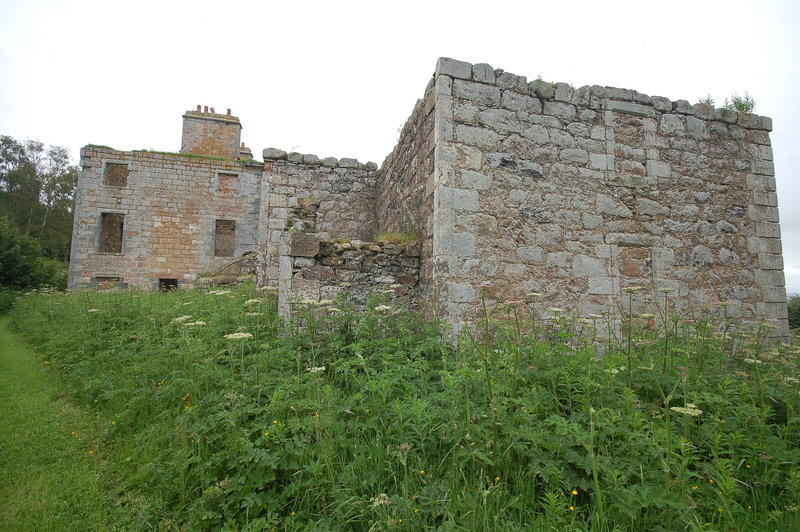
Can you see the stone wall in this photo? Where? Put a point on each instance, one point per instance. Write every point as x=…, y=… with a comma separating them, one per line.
x=343, y=191
x=346, y=272
x=211, y=134
x=579, y=193
x=170, y=204
x=404, y=189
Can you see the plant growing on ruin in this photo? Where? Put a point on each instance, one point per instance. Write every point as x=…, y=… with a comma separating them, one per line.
x=708, y=100
x=740, y=104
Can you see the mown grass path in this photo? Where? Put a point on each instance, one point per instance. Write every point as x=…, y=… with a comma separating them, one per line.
x=48, y=478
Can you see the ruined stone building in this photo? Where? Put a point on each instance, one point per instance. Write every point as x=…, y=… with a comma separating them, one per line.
x=512, y=186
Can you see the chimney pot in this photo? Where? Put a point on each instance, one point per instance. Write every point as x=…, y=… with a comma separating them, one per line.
x=229, y=112
x=242, y=142
x=212, y=111
x=198, y=107
x=206, y=109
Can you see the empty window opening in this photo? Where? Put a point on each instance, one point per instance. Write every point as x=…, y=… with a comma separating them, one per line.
x=111, y=226
x=115, y=174
x=167, y=284
x=227, y=183
x=224, y=238
x=106, y=283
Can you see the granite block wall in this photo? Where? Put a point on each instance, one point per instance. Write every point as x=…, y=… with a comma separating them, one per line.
x=578, y=193
x=342, y=190
x=404, y=186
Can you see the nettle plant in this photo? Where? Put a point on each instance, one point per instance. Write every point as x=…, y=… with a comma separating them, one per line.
x=214, y=413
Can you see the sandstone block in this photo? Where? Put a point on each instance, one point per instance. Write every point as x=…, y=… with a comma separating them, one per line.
x=529, y=254
x=586, y=266
x=304, y=245
x=273, y=154
x=476, y=136
x=604, y=286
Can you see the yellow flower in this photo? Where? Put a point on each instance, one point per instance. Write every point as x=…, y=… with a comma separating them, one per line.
x=710, y=481
x=571, y=508
x=574, y=492
x=416, y=511
x=266, y=434
x=421, y=471
x=719, y=510
x=694, y=487
x=292, y=513
x=497, y=479
x=274, y=421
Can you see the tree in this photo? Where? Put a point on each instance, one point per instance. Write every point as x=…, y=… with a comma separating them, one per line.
x=794, y=312
x=37, y=192
x=22, y=263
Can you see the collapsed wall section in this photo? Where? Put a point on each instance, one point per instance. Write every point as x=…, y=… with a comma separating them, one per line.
x=141, y=217
x=404, y=186
x=342, y=192
x=578, y=193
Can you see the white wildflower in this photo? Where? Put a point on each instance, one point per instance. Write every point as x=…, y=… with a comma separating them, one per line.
x=181, y=319
x=382, y=308
x=316, y=369
x=686, y=411
x=194, y=324
x=325, y=302
x=752, y=361
x=792, y=379
x=250, y=302
x=556, y=310
x=92, y=310
x=255, y=313
x=238, y=336
x=334, y=310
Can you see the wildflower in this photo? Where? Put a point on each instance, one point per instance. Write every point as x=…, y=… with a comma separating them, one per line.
x=91, y=451
x=266, y=434
x=752, y=361
x=416, y=511
x=571, y=508
x=694, y=487
x=647, y=316
x=792, y=379
x=194, y=324
x=382, y=308
x=187, y=303
x=181, y=319
x=632, y=289
x=274, y=421
x=533, y=295
x=325, y=302
x=92, y=310
x=316, y=370
x=255, y=313
x=238, y=336
x=574, y=492
x=687, y=411
x=292, y=513
x=395, y=285
x=556, y=310
x=497, y=478
x=250, y=302
x=666, y=290
x=421, y=471
x=334, y=310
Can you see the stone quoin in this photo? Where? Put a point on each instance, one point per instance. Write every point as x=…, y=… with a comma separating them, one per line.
x=513, y=186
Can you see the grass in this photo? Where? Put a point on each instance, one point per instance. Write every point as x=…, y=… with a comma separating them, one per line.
x=533, y=420
x=48, y=478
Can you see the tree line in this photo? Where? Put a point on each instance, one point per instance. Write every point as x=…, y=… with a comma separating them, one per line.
x=37, y=200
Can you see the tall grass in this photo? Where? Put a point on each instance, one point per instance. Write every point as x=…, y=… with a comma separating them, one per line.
x=371, y=421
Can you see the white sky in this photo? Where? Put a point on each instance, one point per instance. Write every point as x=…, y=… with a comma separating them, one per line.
x=339, y=78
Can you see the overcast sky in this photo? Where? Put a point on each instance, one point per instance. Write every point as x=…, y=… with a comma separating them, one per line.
x=340, y=78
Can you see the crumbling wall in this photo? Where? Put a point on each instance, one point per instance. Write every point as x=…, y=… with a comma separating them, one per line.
x=342, y=191
x=579, y=193
x=347, y=272
x=169, y=206
x=404, y=188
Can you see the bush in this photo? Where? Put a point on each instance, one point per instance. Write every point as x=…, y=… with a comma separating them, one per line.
x=794, y=311
x=7, y=298
x=22, y=261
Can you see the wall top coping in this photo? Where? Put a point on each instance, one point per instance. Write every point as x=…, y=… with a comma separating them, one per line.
x=559, y=91
x=90, y=149
x=213, y=116
x=274, y=154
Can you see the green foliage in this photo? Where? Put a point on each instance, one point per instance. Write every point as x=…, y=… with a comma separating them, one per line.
x=397, y=237
x=741, y=104
x=37, y=192
x=794, y=311
x=8, y=297
x=23, y=264
x=358, y=420
x=708, y=100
